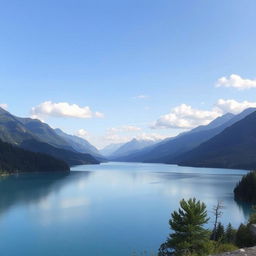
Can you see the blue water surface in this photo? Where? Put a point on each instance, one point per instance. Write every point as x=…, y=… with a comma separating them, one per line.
x=110, y=209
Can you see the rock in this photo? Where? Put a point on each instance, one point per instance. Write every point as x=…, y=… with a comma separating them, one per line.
x=241, y=252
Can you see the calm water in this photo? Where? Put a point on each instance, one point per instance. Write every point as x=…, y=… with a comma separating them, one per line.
x=106, y=210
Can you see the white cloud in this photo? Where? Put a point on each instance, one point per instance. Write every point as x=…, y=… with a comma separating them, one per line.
x=99, y=115
x=82, y=133
x=185, y=117
x=62, y=109
x=233, y=106
x=236, y=81
x=4, y=106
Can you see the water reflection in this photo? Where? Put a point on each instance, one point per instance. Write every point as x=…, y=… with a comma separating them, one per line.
x=26, y=189
x=113, y=208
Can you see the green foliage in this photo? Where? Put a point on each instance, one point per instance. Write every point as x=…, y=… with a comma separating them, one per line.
x=230, y=234
x=246, y=188
x=224, y=247
x=220, y=232
x=190, y=238
x=244, y=236
x=252, y=219
x=189, y=235
x=14, y=159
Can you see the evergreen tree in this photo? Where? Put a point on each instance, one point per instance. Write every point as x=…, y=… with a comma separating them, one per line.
x=230, y=234
x=246, y=188
x=189, y=235
x=244, y=236
x=220, y=232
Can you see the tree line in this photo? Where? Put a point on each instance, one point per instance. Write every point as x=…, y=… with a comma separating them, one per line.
x=189, y=237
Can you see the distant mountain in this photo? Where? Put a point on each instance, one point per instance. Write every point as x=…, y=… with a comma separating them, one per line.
x=14, y=159
x=131, y=147
x=167, y=151
x=36, y=136
x=235, y=147
x=79, y=144
x=110, y=149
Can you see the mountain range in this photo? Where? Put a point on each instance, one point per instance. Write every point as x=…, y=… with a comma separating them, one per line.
x=229, y=141
x=130, y=147
x=36, y=136
x=235, y=148
x=172, y=150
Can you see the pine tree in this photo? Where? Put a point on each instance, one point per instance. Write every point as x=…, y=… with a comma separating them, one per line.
x=230, y=234
x=244, y=236
x=220, y=232
x=189, y=235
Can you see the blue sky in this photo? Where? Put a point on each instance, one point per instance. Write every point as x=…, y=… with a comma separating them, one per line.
x=136, y=62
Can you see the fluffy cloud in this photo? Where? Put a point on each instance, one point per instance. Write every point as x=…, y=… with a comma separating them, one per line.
x=82, y=133
x=236, y=81
x=4, y=106
x=186, y=117
x=62, y=109
x=233, y=106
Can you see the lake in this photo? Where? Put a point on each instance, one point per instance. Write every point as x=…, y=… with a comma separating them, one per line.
x=110, y=209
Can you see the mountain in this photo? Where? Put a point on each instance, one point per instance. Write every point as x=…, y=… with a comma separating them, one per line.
x=221, y=120
x=14, y=159
x=45, y=133
x=110, y=149
x=79, y=144
x=130, y=147
x=167, y=151
x=70, y=157
x=235, y=147
x=37, y=136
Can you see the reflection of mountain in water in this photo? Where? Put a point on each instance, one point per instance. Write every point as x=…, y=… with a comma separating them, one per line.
x=29, y=188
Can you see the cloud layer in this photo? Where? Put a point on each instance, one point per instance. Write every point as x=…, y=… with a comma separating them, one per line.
x=63, y=109
x=236, y=81
x=186, y=117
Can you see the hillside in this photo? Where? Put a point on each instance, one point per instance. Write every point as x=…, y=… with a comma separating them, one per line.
x=235, y=147
x=70, y=157
x=36, y=136
x=14, y=159
x=80, y=145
